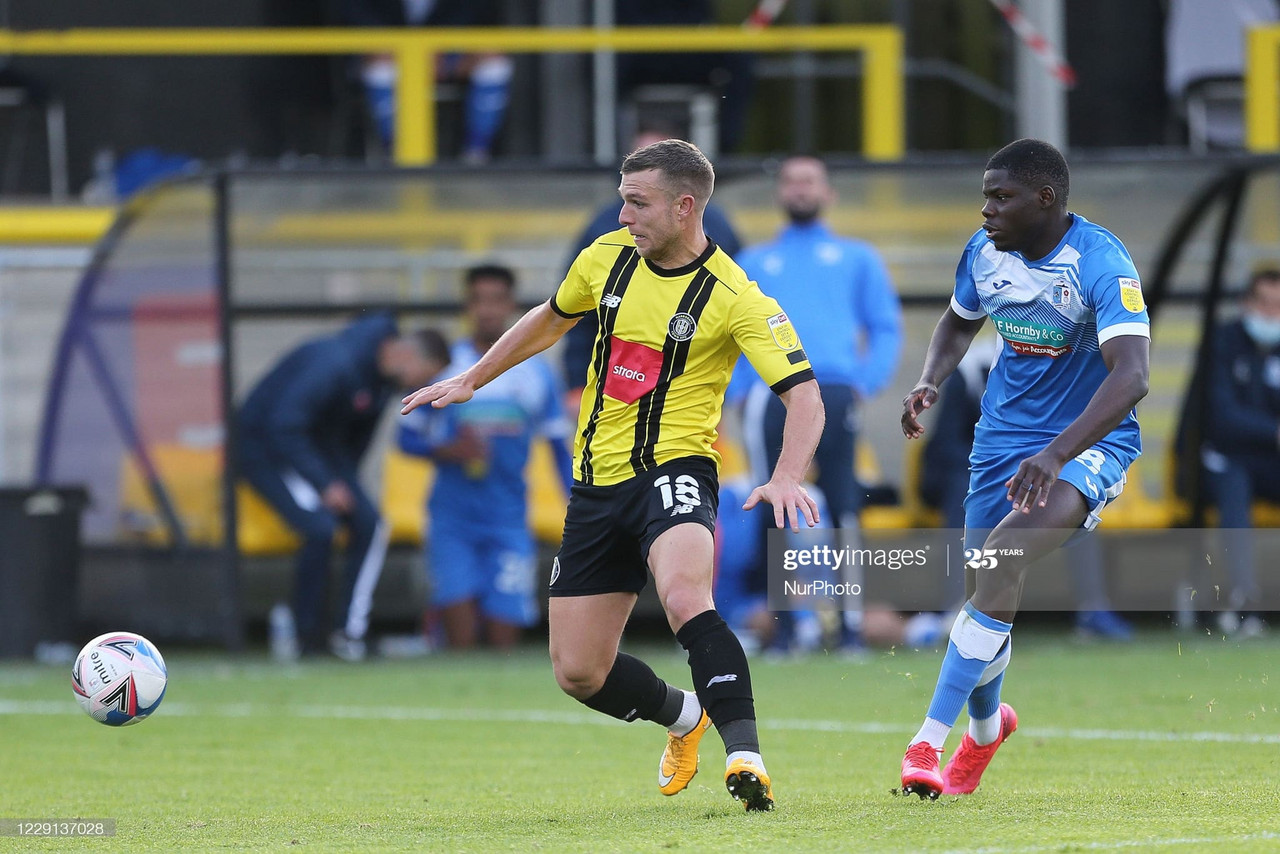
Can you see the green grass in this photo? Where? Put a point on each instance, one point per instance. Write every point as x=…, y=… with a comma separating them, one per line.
x=477, y=753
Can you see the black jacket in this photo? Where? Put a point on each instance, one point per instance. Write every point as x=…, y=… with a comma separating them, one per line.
x=317, y=409
x=1243, y=412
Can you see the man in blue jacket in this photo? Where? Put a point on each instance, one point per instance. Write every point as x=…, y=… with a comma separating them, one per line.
x=838, y=291
x=301, y=434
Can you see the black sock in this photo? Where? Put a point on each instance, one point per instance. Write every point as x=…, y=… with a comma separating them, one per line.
x=721, y=679
x=632, y=690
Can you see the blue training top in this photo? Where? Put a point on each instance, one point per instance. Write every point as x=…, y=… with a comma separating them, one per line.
x=835, y=291
x=507, y=413
x=1054, y=314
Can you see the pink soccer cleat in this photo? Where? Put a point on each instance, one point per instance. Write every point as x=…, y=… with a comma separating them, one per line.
x=920, y=771
x=964, y=771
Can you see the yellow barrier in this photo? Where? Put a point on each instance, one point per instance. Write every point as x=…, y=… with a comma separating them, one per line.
x=880, y=45
x=23, y=225
x=1262, y=90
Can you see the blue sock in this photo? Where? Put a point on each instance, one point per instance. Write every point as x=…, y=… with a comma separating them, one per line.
x=380, y=93
x=486, y=104
x=984, y=701
x=976, y=640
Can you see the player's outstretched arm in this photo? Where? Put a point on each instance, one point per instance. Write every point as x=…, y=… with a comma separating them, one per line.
x=800, y=434
x=536, y=331
x=1128, y=360
x=951, y=339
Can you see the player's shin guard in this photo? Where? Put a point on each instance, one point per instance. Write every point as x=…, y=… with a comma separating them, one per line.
x=976, y=641
x=721, y=679
x=632, y=690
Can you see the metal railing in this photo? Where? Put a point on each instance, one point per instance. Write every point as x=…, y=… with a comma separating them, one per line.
x=415, y=49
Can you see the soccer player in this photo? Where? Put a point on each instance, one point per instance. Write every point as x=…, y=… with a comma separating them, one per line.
x=675, y=312
x=481, y=554
x=1057, y=431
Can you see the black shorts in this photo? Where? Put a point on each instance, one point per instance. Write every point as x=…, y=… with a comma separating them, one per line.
x=608, y=529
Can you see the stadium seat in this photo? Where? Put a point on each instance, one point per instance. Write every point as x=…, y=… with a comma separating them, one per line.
x=405, y=482
x=910, y=511
x=1135, y=507
x=406, y=479
x=192, y=478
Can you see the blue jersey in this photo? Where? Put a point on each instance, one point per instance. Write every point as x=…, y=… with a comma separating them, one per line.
x=837, y=293
x=1054, y=314
x=507, y=413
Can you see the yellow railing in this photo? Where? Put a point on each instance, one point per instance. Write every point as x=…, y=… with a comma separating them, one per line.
x=414, y=50
x=1262, y=90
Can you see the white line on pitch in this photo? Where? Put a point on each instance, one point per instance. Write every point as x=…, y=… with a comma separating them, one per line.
x=570, y=718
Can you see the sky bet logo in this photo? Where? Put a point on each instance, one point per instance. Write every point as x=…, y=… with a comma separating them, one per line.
x=987, y=558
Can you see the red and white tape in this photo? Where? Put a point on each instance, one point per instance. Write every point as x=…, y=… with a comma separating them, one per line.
x=1048, y=55
x=765, y=13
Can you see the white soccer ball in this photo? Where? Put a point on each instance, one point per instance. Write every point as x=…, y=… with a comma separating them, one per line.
x=119, y=678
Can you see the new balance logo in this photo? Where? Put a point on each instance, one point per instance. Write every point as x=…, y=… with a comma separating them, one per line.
x=681, y=509
x=728, y=677
x=611, y=300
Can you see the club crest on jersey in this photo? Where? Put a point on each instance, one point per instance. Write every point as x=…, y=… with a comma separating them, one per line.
x=1061, y=293
x=1131, y=295
x=682, y=327
x=784, y=334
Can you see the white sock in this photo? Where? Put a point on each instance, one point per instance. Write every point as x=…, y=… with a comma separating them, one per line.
x=985, y=730
x=746, y=755
x=933, y=731
x=690, y=714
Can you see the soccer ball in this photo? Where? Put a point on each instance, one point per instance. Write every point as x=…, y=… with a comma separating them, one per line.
x=119, y=678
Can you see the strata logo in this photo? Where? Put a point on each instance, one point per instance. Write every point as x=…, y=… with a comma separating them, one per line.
x=555, y=571
x=611, y=300
x=682, y=327
x=633, y=370
x=987, y=558
x=728, y=677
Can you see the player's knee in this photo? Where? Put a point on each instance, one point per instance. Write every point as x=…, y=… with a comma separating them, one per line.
x=579, y=679
x=684, y=602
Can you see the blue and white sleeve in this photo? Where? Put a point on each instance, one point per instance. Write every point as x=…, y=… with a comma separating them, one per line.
x=1113, y=289
x=964, y=299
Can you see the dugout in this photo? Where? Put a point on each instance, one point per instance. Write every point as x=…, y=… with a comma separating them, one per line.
x=203, y=282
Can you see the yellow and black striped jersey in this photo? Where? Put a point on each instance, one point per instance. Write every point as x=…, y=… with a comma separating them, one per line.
x=667, y=344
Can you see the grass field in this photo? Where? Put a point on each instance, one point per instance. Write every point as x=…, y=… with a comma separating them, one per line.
x=1166, y=745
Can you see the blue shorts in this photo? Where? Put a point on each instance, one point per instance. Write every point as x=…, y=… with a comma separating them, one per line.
x=1098, y=474
x=494, y=565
